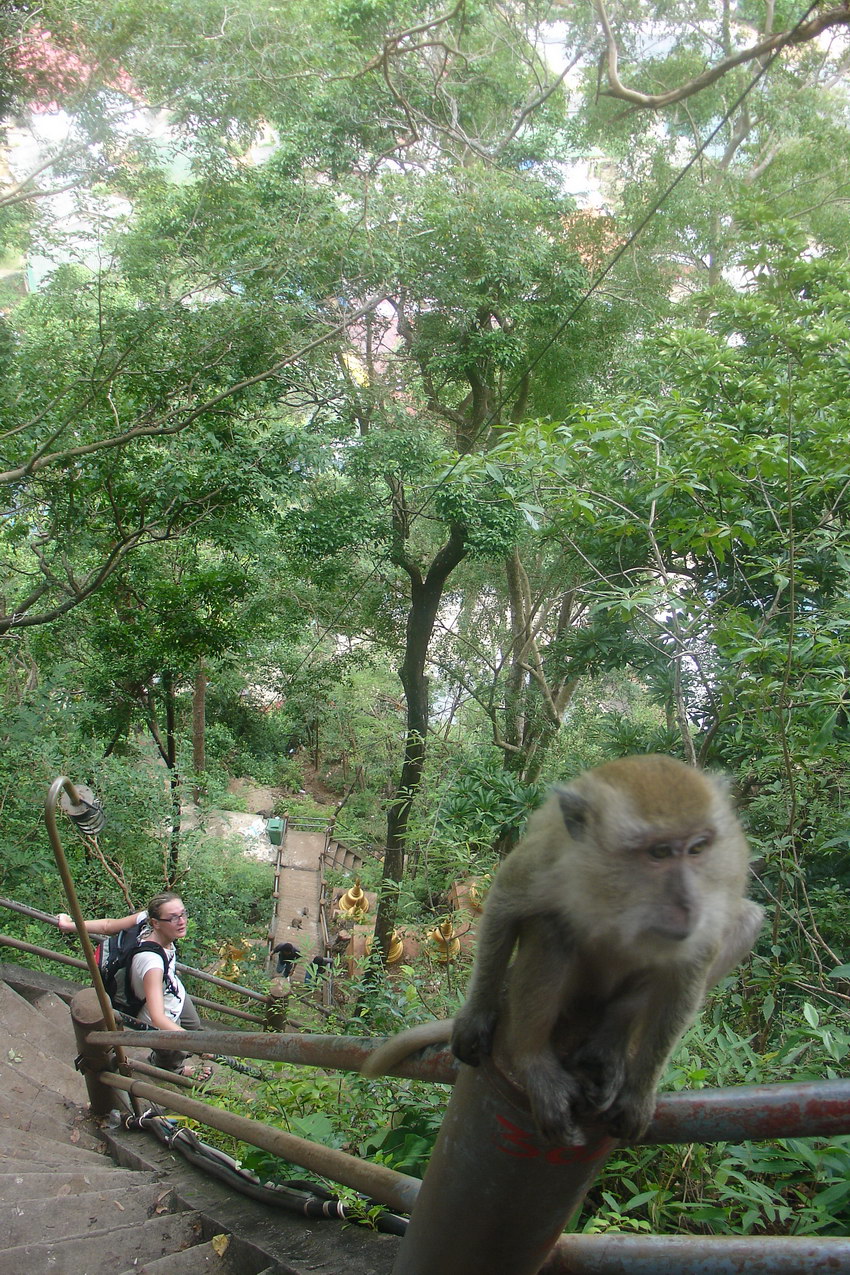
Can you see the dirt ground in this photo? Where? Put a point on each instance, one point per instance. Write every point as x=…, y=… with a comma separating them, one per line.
x=262, y=801
x=259, y=800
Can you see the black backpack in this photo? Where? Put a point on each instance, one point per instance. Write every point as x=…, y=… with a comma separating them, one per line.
x=115, y=957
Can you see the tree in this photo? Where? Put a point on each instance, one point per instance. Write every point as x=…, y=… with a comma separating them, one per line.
x=94, y=460
x=399, y=279
x=738, y=493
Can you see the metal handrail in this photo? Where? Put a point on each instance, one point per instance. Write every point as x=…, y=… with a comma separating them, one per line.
x=492, y=1185
x=249, y=992
x=63, y=783
x=806, y=1109
x=46, y=953
x=376, y=1181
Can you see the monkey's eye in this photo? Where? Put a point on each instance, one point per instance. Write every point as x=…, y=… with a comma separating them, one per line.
x=661, y=850
x=697, y=847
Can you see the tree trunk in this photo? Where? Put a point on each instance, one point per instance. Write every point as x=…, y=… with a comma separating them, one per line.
x=425, y=598
x=173, y=773
x=535, y=702
x=516, y=693
x=199, y=719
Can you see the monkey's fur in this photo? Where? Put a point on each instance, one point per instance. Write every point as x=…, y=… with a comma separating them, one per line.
x=626, y=902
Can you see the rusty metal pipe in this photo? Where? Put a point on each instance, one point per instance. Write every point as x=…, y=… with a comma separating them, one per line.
x=248, y=992
x=696, y=1254
x=810, y=1109
x=63, y=782
x=394, y=1190
x=243, y=1014
x=495, y=1197
x=6, y=940
x=35, y=913
x=345, y=1053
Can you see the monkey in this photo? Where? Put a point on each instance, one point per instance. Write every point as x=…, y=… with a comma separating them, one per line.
x=626, y=902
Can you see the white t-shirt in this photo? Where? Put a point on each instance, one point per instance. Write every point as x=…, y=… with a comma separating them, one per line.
x=144, y=961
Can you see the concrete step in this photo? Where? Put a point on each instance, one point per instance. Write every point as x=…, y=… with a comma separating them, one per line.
x=13, y=1167
x=15, y=1079
x=50, y=1035
x=21, y=1145
x=52, y=1007
x=20, y=1181
x=222, y=1255
x=56, y=1071
x=85, y=1191
x=104, y=1252
x=25, y=1098
x=78, y=1215
x=34, y=983
x=60, y=1124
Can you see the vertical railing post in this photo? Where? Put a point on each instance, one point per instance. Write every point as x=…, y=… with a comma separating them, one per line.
x=495, y=1197
x=87, y=1016
x=277, y=1004
x=53, y=795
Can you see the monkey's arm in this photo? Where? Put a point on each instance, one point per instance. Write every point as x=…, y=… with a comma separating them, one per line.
x=542, y=984
x=670, y=1007
x=475, y=1022
x=738, y=940
x=399, y=1047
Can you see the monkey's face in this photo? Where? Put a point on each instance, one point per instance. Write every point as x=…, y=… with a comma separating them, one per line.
x=657, y=846
x=673, y=882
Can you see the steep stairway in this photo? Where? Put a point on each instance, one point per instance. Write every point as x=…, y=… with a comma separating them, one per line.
x=66, y=1208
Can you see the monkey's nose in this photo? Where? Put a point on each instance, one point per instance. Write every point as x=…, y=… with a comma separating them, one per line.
x=675, y=921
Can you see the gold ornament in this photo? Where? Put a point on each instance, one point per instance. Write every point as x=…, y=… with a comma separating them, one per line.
x=396, y=948
x=447, y=943
x=354, y=902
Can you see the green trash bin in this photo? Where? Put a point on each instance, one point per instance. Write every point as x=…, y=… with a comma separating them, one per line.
x=274, y=828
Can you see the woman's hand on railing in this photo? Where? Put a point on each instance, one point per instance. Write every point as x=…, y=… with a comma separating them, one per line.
x=66, y=923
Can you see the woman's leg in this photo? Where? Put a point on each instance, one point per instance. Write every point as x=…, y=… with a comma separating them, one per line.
x=189, y=1018
x=173, y=1059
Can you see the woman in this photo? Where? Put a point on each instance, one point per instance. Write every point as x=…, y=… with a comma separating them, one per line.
x=166, y=1003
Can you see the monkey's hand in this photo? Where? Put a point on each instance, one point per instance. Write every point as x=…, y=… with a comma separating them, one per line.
x=600, y=1073
x=629, y=1115
x=472, y=1035
x=555, y=1100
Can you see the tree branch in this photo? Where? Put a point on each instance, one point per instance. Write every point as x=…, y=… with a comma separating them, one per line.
x=161, y=428
x=803, y=33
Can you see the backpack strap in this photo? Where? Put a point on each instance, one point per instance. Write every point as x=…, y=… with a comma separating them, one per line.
x=147, y=945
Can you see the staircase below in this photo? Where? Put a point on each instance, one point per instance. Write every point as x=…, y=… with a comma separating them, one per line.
x=78, y=1199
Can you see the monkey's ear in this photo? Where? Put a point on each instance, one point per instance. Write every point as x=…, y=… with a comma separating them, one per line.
x=574, y=809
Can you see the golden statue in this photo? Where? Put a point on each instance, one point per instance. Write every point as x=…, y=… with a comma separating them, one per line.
x=354, y=902
x=477, y=892
x=446, y=941
x=396, y=947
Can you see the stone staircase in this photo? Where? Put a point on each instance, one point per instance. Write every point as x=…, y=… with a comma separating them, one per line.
x=66, y=1208
x=342, y=858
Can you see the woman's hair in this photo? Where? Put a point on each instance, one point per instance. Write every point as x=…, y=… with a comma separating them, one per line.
x=159, y=901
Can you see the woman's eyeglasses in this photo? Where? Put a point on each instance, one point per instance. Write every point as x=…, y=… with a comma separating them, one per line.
x=172, y=920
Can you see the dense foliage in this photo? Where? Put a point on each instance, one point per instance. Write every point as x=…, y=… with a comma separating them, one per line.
x=383, y=420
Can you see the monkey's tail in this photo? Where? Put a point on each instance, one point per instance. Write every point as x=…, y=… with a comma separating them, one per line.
x=394, y=1051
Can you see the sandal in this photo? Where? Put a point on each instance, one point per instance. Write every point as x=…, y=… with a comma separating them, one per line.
x=196, y=1073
